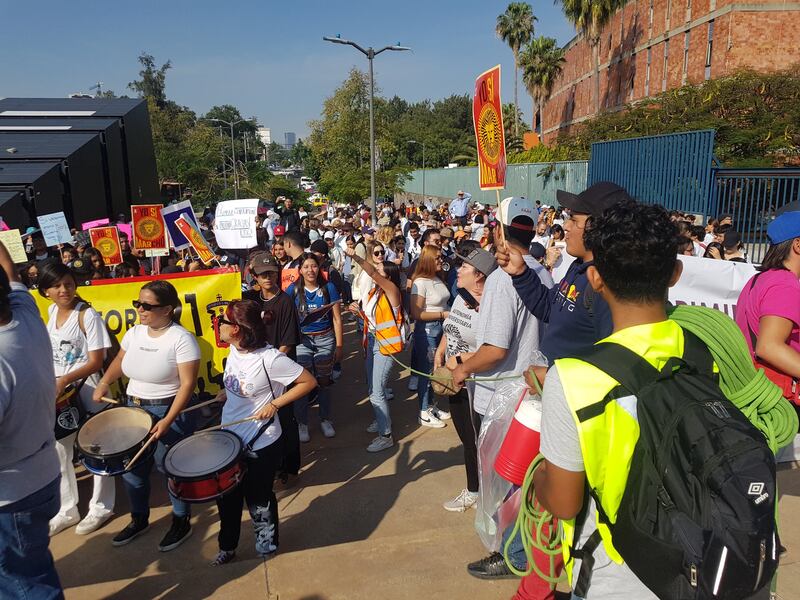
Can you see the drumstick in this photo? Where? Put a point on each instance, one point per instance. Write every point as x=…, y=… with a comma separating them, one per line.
x=140, y=452
x=253, y=418
x=201, y=405
x=109, y=400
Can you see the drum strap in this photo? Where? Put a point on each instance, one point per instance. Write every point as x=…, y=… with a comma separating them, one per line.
x=263, y=428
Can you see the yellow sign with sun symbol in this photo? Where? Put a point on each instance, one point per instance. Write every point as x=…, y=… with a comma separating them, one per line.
x=487, y=118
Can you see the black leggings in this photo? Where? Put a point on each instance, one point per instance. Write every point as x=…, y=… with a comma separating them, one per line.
x=468, y=426
x=256, y=490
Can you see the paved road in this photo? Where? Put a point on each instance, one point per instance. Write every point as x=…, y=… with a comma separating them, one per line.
x=353, y=526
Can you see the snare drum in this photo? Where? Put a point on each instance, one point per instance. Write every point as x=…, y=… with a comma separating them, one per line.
x=205, y=466
x=110, y=439
x=69, y=412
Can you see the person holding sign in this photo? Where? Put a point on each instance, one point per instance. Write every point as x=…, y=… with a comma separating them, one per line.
x=319, y=305
x=79, y=339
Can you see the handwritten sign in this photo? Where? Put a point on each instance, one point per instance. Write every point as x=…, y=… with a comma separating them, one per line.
x=13, y=243
x=55, y=229
x=235, y=224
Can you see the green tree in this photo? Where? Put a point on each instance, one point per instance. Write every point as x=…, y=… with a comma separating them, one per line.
x=513, y=141
x=542, y=61
x=515, y=28
x=590, y=17
x=153, y=80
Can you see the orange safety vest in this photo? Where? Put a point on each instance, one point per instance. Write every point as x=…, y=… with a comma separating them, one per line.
x=388, y=328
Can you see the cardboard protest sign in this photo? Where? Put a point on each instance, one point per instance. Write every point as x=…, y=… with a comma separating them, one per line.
x=171, y=214
x=55, y=229
x=196, y=239
x=106, y=240
x=149, y=232
x=235, y=224
x=13, y=243
x=487, y=119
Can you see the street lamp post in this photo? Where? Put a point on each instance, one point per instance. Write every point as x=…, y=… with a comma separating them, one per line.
x=423, y=165
x=370, y=53
x=233, y=154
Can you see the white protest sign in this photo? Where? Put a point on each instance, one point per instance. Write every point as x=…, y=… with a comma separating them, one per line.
x=713, y=283
x=235, y=224
x=55, y=229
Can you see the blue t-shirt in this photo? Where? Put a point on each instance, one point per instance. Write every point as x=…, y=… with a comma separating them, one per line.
x=314, y=300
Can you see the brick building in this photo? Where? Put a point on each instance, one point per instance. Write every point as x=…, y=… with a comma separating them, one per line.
x=651, y=46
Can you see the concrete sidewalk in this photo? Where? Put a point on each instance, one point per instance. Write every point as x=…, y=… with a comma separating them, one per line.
x=353, y=526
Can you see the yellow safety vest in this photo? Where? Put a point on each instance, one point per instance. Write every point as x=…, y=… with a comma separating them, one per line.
x=607, y=440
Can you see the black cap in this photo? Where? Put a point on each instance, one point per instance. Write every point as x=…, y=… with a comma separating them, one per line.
x=593, y=200
x=263, y=262
x=537, y=250
x=81, y=268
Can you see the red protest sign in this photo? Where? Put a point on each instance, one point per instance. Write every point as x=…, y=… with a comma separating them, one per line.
x=106, y=240
x=487, y=118
x=148, y=228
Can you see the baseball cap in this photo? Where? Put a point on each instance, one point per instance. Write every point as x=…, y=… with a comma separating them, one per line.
x=460, y=234
x=81, y=268
x=264, y=262
x=368, y=231
x=328, y=235
x=537, y=250
x=479, y=258
x=446, y=232
x=594, y=199
x=279, y=230
x=785, y=227
x=516, y=207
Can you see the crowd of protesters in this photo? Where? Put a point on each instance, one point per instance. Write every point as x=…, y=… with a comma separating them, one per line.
x=457, y=286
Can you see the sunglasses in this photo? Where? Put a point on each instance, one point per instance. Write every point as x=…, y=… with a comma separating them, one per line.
x=146, y=305
x=381, y=253
x=223, y=320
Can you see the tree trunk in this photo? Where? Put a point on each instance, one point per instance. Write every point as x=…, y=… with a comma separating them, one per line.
x=541, y=120
x=596, y=54
x=516, y=98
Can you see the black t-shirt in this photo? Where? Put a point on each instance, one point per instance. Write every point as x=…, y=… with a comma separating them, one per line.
x=283, y=329
x=290, y=218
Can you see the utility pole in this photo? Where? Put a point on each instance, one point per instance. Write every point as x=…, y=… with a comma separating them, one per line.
x=370, y=53
x=233, y=153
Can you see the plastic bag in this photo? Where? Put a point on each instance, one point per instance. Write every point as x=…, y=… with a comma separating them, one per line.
x=495, y=491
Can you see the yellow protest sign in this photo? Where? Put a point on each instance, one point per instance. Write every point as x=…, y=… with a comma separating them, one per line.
x=13, y=243
x=204, y=294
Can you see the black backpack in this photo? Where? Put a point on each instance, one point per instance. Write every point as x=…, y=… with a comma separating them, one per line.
x=697, y=517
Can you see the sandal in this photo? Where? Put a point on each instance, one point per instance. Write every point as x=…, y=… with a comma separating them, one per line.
x=224, y=556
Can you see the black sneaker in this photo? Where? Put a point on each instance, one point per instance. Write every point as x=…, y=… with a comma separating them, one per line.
x=134, y=529
x=492, y=567
x=179, y=532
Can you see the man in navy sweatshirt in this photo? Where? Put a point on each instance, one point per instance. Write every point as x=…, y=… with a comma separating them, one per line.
x=576, y=318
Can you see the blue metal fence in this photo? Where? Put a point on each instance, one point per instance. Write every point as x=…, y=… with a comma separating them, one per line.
x=535, y=181
x=752, y=197
x=673, y=170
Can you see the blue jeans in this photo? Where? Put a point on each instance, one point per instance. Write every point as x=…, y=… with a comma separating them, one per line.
x=315, y=353
x=27, y=570
x=137, y=481
x=427, y=335
x=378, y=368
x=516, y=552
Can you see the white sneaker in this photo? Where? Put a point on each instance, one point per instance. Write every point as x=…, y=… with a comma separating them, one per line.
x=462, y=502
x=382, y=442
x=302, y=432
x=92, y=522
x=373, y=427
x=428, y=419
x=61, y=522
x=413, y=383
x=327, y=428
x=440, y=414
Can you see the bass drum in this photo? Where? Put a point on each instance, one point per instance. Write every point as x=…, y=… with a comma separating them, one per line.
x=110, y=439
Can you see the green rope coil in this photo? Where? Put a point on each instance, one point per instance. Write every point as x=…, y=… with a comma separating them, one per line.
x=760, y=400
x=536, y=528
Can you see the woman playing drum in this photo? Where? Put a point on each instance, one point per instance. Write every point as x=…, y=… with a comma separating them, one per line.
x=79, y=339
x=161, y=360
x=256, y=378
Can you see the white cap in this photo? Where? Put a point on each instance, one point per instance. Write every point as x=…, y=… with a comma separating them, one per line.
x=513, y=207
x=328, y=235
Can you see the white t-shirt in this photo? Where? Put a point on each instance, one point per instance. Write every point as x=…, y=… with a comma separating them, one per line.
x=152, y=363
x=71, y=347
x=434, y=291
x=248, y=389
x=544, y=240
x=459, y=327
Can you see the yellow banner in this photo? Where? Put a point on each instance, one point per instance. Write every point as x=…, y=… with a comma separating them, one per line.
x=203, y=294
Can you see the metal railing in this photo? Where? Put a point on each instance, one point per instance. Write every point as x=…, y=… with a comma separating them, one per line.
x=753, y=197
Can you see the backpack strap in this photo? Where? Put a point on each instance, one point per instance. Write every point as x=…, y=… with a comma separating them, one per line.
x=697, y=354
x=631, y=370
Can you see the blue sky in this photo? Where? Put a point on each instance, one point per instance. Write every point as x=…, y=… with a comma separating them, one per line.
x=267, y=57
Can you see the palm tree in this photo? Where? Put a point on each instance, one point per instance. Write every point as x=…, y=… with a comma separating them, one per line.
x=541, y=61
x=515, y=28
x=590, y=17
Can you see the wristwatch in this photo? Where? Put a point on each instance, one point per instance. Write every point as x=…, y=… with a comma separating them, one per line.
x=458, y=359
